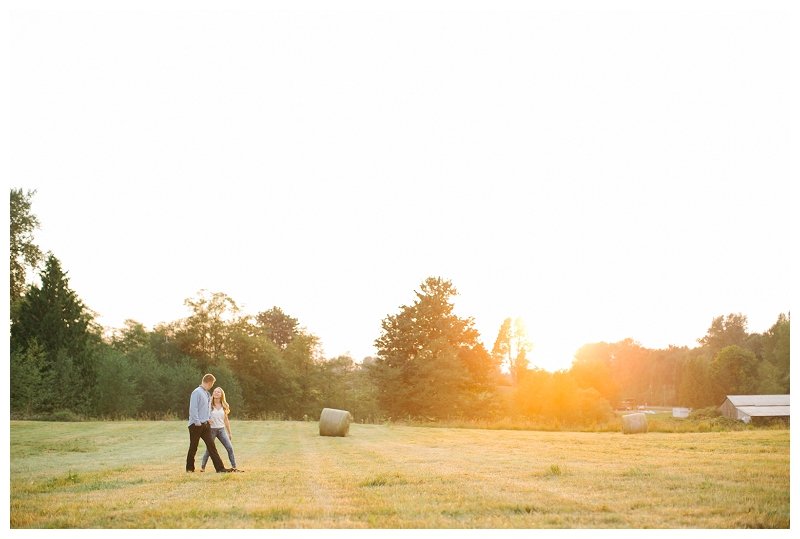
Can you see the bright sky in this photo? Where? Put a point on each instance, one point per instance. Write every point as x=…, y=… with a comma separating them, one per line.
x=602, y=175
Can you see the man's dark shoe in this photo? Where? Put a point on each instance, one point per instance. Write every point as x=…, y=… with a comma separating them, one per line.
x=225, y=470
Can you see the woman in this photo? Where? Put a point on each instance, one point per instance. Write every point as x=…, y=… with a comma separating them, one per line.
x=219, y=424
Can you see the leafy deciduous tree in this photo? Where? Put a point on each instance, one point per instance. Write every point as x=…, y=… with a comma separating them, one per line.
x=775, y=345
x=557, y=397
x=724, y=331
x=735, y=372
x=696, y=388
x=594, y=373
x=268, y=384
x=24, y=253
x=206, y=334
x=277, y=326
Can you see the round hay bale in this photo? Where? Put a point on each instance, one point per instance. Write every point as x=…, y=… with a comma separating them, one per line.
x=334, y=422
x=634, y=424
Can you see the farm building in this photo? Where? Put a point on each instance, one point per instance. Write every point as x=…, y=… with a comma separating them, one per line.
x=680, y=412
x=746, y=407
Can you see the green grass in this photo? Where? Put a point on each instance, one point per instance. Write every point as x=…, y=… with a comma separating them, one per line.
x=130, y=475
x=662, y=421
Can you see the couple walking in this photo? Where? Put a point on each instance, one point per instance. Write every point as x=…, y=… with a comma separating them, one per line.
x=208, y=419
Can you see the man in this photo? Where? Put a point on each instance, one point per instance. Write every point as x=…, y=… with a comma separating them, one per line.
x=200, y=425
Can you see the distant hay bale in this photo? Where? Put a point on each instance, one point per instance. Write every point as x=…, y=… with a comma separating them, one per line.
x=634, y=424
x=334, y=422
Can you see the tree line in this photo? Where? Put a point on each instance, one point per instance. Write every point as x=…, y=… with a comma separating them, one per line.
x=430, y=363
x=267, y=364
x=728, y=360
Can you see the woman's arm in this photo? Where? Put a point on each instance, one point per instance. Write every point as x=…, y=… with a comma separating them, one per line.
x=228, y=427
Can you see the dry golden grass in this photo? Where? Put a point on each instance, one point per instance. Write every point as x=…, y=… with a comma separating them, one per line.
x=130, y=475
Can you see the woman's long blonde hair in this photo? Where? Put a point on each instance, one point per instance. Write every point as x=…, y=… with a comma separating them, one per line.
x=221, y=400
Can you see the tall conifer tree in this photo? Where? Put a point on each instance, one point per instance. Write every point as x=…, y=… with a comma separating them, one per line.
x=53, y=316
x=430, y=361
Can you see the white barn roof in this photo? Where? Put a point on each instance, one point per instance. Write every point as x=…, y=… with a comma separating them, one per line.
x=759, y=400
x=745, y=407
x=764, y=411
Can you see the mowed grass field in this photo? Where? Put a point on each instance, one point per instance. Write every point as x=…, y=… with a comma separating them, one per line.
x=131, y=475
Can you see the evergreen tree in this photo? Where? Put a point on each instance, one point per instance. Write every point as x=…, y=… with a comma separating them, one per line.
x=431, y=362
x=54, y=317
x=27, y=390
x=117, y=394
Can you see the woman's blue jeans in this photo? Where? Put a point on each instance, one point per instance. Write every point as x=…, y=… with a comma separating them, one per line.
x=223, y=437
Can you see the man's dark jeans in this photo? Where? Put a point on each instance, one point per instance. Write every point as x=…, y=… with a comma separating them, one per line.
x=204, y=432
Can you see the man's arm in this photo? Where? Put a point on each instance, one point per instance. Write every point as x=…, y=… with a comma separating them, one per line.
x=194, y=408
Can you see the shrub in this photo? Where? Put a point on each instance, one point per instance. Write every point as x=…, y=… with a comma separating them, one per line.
x=726, y=423
x=62, y=415
x=705, y=413
x=771, y=422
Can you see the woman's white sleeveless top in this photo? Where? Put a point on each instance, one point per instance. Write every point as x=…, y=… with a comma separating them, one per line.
x=217, y=418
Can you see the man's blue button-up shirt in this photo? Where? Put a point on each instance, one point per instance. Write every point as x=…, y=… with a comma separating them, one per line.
x=199, y=406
